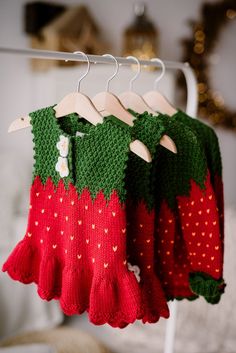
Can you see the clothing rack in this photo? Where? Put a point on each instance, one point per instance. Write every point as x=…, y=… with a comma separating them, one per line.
x=191, y=109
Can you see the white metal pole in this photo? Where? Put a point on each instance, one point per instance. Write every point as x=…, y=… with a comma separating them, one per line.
x=171, y=328
x=191, y=109
x=192, y=91
x=57, y=55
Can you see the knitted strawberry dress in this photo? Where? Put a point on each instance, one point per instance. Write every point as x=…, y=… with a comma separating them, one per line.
x=141, y=217
x=74, y=246
x=189, y=245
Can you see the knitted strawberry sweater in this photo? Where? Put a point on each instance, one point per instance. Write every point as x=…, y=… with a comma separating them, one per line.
x=141, y=218
x=208, y=138
x=182, y=180
x=189, y=241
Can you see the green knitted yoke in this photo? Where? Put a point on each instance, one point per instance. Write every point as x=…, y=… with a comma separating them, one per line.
x=99, y=157
x=96, y=160
x=171, y=173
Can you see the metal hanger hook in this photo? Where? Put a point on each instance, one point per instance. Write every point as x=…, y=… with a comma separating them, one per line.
x=86, y=72
x=162, y=72
x=115, y=73
x=131, y=82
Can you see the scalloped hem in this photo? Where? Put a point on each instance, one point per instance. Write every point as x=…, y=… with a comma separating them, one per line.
x=179, y=292
x=122, y=303
x=19, y=267
x=16, y=276
x=112, y=298
x=179, y=298
x=116, y=319
x=155, y=304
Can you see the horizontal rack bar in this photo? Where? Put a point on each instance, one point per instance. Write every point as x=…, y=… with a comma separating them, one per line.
x=99, y=59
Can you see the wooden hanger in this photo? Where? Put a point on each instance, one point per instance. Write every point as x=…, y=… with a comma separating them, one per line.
x=75, y=102
x=82, y=105
x=155, y=99
x=107, y=103
x=136, y=146
x=132, y=100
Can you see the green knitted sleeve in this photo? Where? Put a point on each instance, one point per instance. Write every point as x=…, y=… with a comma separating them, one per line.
x=208, y=138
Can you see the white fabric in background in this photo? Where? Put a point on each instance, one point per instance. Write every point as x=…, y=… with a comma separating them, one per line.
x=21, y=308
x=11, y=179
x=29, y=348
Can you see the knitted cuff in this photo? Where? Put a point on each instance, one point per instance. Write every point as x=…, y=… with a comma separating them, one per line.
x=206, y=286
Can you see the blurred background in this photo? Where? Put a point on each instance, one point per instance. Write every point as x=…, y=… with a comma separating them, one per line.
x=200, y=32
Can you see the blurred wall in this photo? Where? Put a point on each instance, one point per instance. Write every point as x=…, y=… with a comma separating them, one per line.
x=112, y=17
x=17, y=84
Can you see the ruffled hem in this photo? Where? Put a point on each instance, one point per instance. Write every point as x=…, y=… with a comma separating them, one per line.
x=113, y=298
x=49, y=279
x=75, y=298
x=154, y=301
x=180, y=291
x=190, y=299
x=21, y=265
x=121, y=304
x=180, y=298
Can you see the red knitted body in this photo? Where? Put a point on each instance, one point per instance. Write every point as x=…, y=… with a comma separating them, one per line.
x=172, y=263
x=140, y=250
x=141, y=217
x=81, y=259
x=219, y=195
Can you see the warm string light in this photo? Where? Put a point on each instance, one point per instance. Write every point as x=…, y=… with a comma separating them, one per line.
x=199, y=41
x=198, y=53
x=231, y=14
